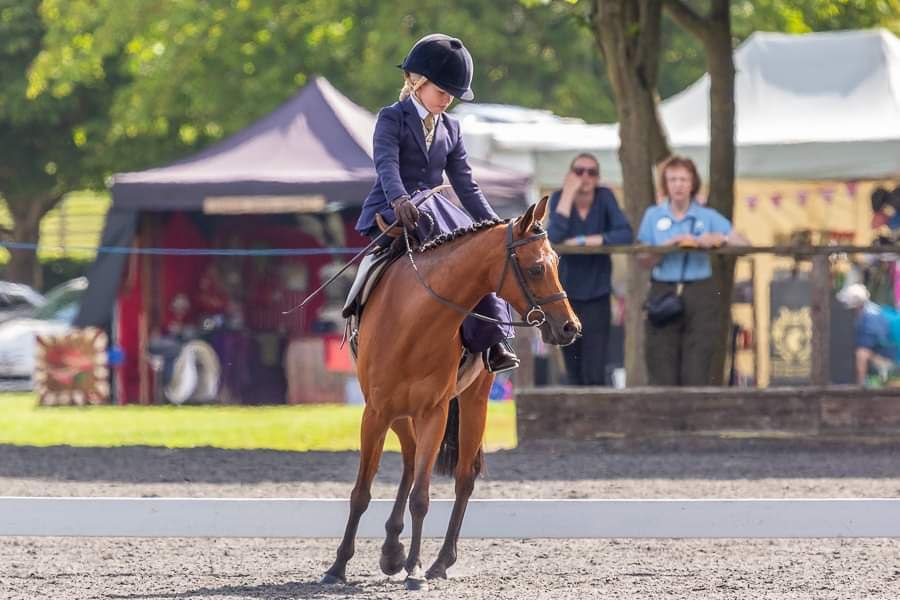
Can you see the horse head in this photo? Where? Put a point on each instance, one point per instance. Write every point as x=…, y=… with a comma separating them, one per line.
x=534, y=289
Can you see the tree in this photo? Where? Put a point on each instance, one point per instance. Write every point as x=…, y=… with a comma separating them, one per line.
x=714, y=31
x=628, y=35
x=44, y=151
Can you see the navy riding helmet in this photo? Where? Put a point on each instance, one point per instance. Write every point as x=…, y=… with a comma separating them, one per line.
x=445, y=61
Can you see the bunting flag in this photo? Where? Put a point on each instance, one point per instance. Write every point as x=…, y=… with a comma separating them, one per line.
x=827, y=192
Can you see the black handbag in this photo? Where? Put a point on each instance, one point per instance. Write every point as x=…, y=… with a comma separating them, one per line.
x=668, y=306
x=665, y=308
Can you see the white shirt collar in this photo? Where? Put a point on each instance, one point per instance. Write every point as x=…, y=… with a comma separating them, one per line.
x=423, y=112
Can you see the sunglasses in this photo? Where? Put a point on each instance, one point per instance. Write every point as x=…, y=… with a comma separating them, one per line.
x=589, y=170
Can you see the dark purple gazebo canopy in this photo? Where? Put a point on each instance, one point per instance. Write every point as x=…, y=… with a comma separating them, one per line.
x=317, y=144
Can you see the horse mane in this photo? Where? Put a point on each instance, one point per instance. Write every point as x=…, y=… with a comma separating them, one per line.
x=444, y=238
x=460, y=232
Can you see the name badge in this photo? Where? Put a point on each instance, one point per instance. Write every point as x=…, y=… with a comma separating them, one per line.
x=664, y=224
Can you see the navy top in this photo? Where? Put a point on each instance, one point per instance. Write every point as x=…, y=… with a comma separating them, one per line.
x=587, y=276
x=405, y=165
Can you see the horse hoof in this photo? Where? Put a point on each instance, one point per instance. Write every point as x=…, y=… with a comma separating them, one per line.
x=391, y=565
x=415, y=584
x=436, y=572
x=329, y=579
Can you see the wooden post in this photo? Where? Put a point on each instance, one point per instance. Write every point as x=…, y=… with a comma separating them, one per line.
x=755, y=323
x=821, y=320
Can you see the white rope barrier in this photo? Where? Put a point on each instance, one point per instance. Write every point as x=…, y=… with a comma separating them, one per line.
x=326, y=518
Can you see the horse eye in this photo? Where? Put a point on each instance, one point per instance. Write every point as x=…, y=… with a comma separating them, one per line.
x=536, y=271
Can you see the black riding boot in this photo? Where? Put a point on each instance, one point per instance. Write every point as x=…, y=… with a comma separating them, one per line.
x=500, y=357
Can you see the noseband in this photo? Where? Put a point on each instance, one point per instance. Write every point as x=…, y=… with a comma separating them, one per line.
x=535, y=317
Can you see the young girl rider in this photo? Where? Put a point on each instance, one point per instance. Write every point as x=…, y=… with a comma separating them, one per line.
x=415, y=143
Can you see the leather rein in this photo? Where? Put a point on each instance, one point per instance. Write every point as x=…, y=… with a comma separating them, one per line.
x=535, y=317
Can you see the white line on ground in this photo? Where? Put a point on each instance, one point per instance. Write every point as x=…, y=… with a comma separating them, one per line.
x=326, y=518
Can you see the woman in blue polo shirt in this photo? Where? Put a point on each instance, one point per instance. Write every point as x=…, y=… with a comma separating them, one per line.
x=680, y=352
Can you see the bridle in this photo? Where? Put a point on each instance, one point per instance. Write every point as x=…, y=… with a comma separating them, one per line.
x=535, y=317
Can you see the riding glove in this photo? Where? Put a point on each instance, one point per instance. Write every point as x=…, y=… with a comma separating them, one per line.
x=406, y=212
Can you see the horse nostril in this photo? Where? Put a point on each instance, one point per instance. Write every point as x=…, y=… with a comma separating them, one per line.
x=571, y=328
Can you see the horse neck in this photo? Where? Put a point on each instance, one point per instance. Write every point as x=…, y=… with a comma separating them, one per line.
x=475, y=260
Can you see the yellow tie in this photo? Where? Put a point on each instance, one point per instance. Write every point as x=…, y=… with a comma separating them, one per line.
x=428, y=121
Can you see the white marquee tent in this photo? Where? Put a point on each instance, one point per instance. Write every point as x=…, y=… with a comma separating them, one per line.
x=809, y=107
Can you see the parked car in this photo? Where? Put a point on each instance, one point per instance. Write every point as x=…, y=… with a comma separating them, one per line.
x=54, y=317
x=18, y=300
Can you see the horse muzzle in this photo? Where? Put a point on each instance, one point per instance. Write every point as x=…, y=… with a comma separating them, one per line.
x=561, y=335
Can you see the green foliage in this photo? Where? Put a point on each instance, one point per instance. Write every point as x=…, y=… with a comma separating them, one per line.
x=813, y=15
x=49, y=144
x=296, y=428
x=182, y=74
x=41, y=150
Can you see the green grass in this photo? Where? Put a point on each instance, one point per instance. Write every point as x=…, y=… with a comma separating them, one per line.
x=306, y=427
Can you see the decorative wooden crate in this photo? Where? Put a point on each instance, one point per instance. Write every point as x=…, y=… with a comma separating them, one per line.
x=72, y=368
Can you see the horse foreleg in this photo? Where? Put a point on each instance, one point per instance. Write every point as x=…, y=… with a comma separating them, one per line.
x=392, y=552
x=472, y=419
x=429, y=432
x=372, y=432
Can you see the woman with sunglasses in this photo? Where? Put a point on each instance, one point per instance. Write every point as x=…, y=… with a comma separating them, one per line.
x=584, y=213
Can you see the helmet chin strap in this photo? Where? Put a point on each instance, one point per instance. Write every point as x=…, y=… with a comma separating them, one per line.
x=415, y=89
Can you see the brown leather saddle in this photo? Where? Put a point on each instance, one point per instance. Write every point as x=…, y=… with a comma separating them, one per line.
x=370, y=271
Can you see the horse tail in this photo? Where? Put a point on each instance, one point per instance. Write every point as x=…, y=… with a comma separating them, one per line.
x=448, y=454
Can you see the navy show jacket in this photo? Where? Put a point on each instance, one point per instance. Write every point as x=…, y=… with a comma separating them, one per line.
x=404, y=166
x=587, y=276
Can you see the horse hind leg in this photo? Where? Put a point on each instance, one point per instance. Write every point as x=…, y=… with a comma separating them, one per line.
x=448, y=455
x=393, y=555
x=373, y=431
x=470, y=431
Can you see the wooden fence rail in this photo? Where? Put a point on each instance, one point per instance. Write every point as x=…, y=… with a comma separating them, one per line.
x=820, y=304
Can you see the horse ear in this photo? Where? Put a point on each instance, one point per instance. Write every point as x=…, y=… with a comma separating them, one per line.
x=534, y=214
x=540, y=210
x=524, y=223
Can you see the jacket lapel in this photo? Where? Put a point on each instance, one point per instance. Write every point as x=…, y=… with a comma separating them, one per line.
x=415, y=124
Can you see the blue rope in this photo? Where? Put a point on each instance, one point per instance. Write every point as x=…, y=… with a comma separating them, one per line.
x=188, y=251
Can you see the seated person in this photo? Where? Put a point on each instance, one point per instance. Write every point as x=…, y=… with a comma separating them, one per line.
x=875, y=351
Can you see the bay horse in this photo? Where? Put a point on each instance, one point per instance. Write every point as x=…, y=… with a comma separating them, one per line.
x=408, y=365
